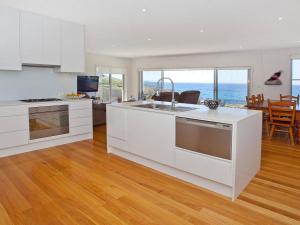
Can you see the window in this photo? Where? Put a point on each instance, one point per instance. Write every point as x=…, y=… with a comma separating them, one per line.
x=228, y=85
x=202, y=80
x=111, y=87
x=295, y=77
x=232, y=85
x=149, y=79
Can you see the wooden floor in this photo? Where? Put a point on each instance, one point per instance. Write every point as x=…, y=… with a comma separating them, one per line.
x=80, y=184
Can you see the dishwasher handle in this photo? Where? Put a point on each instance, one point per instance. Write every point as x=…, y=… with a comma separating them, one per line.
x=204, y=123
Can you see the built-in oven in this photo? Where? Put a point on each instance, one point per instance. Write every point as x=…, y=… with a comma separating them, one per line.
x=205, y=137
x=48, y=121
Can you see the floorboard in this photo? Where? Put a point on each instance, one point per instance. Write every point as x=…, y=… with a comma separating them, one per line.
x=80, y=183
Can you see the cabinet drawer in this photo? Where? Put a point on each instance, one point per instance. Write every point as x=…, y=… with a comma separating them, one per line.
x=79, y=113
x=76, y=122
x=80, y=105
x=213, y=169
x=13, y=123
x=13, y=110
x=13, y=139
x=81, y=130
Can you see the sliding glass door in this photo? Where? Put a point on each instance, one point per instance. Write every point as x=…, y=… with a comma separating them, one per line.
x=117, y=87
x=104, y=87
x=111, y=87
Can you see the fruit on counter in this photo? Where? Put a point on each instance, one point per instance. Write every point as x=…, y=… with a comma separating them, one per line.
x=73, y=95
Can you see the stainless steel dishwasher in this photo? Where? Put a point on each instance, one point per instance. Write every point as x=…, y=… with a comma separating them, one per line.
x=210, y=138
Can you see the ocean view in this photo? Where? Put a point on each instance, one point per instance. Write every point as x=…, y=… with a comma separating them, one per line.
x=228, y=93
x=295, y=90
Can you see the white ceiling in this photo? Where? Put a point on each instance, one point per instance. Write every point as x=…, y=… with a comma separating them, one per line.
x=120, y=28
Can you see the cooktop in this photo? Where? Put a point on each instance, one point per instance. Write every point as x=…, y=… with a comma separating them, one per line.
x=41, y=100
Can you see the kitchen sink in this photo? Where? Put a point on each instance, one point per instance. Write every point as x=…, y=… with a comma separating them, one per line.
x=165, y=107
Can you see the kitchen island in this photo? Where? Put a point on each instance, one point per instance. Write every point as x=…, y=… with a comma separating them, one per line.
x=219, y=150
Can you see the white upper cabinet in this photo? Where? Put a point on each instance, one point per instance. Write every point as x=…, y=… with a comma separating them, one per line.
x=52, y=41
x=31, y=38
x=40, y=39
x=10, y=39
x=72, y=47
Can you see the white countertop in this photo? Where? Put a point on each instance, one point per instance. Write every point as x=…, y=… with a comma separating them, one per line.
x=20, y=103
x=222, y=114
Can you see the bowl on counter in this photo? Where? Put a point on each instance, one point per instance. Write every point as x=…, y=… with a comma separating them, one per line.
x=212, y=104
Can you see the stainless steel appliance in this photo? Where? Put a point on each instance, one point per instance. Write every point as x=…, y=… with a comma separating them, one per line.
x=210, y=138
x=47, y=121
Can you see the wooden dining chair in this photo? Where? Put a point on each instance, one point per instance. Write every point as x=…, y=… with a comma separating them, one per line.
x=252, y=102
x=254, y=99
x=289, y=98
x=260, y=98
x=266, y=117
x=282, y=115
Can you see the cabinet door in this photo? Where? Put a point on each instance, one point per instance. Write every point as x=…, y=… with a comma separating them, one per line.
x=10, y=39
x=73, y=47
x=31, y=38
x=51, y=41
x=151, y=135
x=116, y=122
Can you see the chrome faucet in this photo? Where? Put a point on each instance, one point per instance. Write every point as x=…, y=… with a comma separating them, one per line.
x=173, y=102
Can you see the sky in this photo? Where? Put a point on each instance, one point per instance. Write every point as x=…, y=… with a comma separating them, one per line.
x=199, y=76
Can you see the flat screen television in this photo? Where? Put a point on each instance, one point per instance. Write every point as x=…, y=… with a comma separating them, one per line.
x=87, y=83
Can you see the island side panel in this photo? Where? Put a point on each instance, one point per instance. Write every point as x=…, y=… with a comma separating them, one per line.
x=247, y=154
x=150, y=135
x=116, y=126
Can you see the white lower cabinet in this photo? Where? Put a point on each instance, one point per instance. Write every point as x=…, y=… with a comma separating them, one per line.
x=211, y=168
x=15, y=132
x=80, y=118
x=12, y=139
x=14, y=126
x=116, y=120
x=151, y=135
x=13, y=123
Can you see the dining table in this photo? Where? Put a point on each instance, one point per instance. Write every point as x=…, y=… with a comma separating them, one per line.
x=263, y=106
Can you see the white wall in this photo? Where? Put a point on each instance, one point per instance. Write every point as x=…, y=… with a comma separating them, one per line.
x=39, y=82
x=106, y=61
x=44, y=82
x=263, y=64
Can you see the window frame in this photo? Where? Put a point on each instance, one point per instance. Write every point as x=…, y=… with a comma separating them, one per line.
x=292, y=73
x=215, y=96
